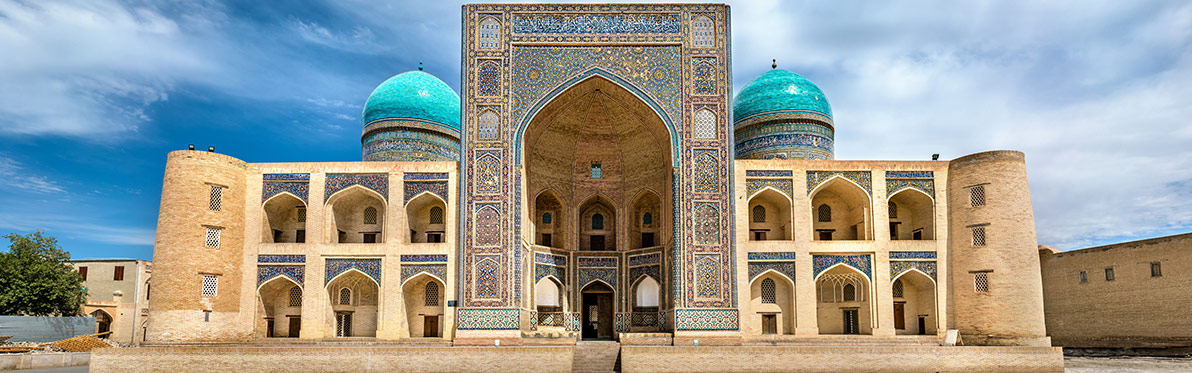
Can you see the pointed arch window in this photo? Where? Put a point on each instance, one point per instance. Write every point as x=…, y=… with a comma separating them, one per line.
x=546, y=218
x=850, y=293
x=768, y=291
x=370, y=215
x=295, y=296
x=897, y=290
x=825, y=213
x=704, y=125
x=436, y=215
x=597, y=221
x=759, y=214
x=647, y=219
x=893, y=210
x=702, y=32
x=490, y=33
x=345, y=296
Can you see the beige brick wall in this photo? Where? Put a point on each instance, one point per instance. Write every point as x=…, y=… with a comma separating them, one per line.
x=333, y=359
x=1135, y=309
x=840, y=359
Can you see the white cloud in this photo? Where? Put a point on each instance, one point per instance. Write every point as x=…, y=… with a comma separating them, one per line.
x=14, y=175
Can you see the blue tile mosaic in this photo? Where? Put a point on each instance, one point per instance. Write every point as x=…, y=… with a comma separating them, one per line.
x=608, y=275
x=754, y=185
x=862, y=178
x=860, y=262
x=640, y=260
x=487, y=318
x=897, y=268
x=925, y=186
x=910, y=174
x=424, y=258
x=377, y=182
x=912, y=255
x=425, y=176
x=555, y=260
x=650, y=270
x=270, y=258
x=777, y=255
x=286, y=177
x=414, y=188
x=768, y=173
x=542, y=270
x=706, y=319
x=438, y=270
x=268, y=272
x=370, y=267
x=597, y=23
x=599, y=262
x=785, y=268
x=296, y=184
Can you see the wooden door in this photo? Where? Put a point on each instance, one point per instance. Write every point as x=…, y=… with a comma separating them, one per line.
x=269, y=328
x=295, y=326
x=769, y=324
x=430, y=326
x=344, y=327
x=922, y=325
x=899, y=315
x=851, y=322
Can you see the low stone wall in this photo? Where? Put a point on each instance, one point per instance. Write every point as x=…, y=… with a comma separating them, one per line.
x=43, y=360
x=334, y=359
x=840, y=358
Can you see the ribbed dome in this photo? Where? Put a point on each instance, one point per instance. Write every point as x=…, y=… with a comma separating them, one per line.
x=782, y=115
x=780, y=90
x=415, y=95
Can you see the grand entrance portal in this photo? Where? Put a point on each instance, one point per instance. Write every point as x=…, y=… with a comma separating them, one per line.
x=597, y=322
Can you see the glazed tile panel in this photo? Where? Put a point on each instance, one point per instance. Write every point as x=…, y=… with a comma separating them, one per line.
x=860, y=262
x=377, y=182
x=597, y=23
x=268, y=272
x=370, y=267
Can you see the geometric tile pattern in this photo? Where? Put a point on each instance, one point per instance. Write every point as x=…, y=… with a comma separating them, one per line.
x=707, y=173
x=897, y=268
x=768, y=173
x=571, y=321
x=597, y=23
x=860, y=262
x=925, y=186
x=488, y=82
x=487, y=283
x=862, y=178
x=487, y=318
x=266, y=258
x=703, y=76
x=555, y=260
x=653, y=271
x=488, y=174
x=296, y=184
x=425, y=176
x=707, y=224
x=646, y=319
x=912, y=255
x=268, y=272
x=910, y=174
x=542, y=271
x=597, y=262
x=645, y=259
x=377, y=182
x=785, y=268
x=621, y=323
x=413, y=188
x=783, y=185
x=488, y=226
x=439, y=270
x=707, y=279
x=370, y=267
x=706, y=319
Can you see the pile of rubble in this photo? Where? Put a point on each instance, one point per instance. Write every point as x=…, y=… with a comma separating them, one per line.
x=82, y=343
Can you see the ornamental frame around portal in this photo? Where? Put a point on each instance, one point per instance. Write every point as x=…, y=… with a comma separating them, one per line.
x=619, y=44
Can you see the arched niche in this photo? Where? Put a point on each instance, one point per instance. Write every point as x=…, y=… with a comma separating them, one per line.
x=850, y=217
x=917, y=300
x=357, y=216
x=770, y=216
x=548, y=217
x=550, y=302
x=772, y=299
x=598, y=224
x=426, y=217
x=843, y=304
x=424, y=299
x=284, y=219
x=645, y=224
x=352, y=302
x=279, y=308
x=912, y=215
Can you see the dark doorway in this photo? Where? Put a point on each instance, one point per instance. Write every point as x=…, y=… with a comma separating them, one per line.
x=893, y=230
x=899, y=315
x=596, y=242
x=759, y=236
x=825, y=235
x=851, y=322
x=103, y=322
x=430, y=326
x=546, y=239
x=770, y=324
x=269, y=325
x=597, y=312
x=922, y=325
x=647, y=239
x=295, y=326
x=917, y=234
x=343, y=325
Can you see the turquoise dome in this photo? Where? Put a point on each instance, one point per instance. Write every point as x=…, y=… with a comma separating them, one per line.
x=779, y=90
x=415, y=95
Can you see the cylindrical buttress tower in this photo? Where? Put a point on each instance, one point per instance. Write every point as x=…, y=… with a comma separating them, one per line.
x=996, y=290
x=198, y=251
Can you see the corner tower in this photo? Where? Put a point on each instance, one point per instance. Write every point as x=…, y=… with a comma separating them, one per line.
x=412, y=116
x=782, y=115
x=996, y=289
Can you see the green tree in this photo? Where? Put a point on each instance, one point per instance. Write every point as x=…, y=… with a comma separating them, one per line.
x=35, y=278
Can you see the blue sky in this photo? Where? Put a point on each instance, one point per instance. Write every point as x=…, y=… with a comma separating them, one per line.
x=94, y=93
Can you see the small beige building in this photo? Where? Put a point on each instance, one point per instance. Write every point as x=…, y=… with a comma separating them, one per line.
x=1130, y=294
x=117, y=296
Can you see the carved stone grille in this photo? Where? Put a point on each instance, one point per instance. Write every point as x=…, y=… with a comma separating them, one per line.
x=768, y=292
x=213, y=234
x=210, y=286
x=295, y=296
x=216, y=200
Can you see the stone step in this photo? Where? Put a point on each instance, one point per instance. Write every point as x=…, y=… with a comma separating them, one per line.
x=596, y=356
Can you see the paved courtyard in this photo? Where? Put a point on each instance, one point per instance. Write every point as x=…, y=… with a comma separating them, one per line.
x=1126, y=364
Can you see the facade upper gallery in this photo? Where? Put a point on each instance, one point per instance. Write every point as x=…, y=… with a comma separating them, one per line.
x=596, y=175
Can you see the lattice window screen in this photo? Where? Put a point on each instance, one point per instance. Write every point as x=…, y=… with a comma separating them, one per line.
x=488, y=126
x=210, y=286
x=301, y=214
x=216, y=200
x=893, y=211
x=759, y=214
x=436, y=215
x=490, y=33
x=977, y=196
x=978, y=236
x=370, y=215
x=703, y=32
x=768, y=292
x=825, y=214
x=345, y=296
x=981, y=282
x=897, y=289
x=704, y=125
x=295, y=296
x=432, y=293
x=213, y=234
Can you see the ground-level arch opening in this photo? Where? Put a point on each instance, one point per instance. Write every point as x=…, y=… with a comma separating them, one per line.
x=596, y=321
x=423, y=297
x=772, y=299
x=914, y=295
x=842, y=301
x=279, y=308
x=549, y=301
x=352, y=300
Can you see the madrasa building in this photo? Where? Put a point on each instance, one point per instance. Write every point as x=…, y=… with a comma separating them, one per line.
x=596, y=178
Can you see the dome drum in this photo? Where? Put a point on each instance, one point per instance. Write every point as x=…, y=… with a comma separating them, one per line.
x=782, y=115
x=412, y=116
